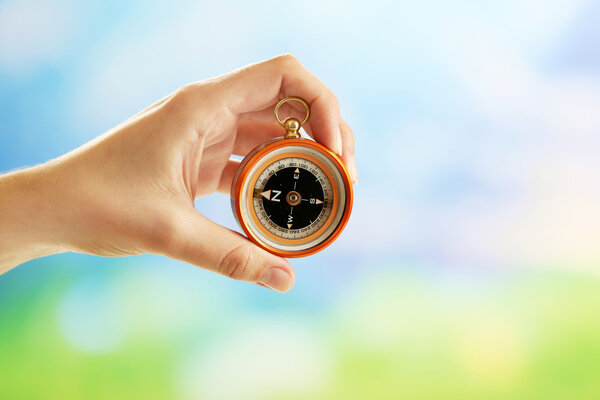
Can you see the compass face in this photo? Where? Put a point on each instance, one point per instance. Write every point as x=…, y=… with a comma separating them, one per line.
x=294, y=198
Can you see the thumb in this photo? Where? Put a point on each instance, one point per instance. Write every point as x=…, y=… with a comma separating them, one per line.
x=201, y=242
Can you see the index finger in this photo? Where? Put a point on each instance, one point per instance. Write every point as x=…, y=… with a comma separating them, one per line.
x=260, y=85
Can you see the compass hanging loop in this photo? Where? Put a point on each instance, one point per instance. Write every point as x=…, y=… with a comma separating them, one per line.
x=292, y=125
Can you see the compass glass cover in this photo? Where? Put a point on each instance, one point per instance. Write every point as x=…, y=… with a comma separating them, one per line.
x=295, y=201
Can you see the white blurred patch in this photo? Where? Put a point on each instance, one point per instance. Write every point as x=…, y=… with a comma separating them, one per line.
x=529, y=144
x=556, y=223
x=553, y=121
x=89, y=317
x=147, y=58
x=511, y=90
x=534, y=26
x=34, y=33
x=258, y=359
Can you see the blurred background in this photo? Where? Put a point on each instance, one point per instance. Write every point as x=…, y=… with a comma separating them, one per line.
x=470, y=268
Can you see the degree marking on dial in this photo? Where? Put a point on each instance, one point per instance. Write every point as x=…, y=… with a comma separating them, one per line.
x=293, y=226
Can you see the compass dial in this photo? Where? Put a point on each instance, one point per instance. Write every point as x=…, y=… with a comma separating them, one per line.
x=291, y=197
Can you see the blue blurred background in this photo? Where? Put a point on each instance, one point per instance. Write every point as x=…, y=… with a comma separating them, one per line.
x=470, y=266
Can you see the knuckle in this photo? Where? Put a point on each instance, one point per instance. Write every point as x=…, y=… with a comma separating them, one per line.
x=351, y=148
x=287, y=59
x=334, y=101
x=184, y=96
x=348, y=138
x=236, y=263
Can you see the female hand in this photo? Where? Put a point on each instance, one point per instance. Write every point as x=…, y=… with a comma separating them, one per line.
x=132, y=190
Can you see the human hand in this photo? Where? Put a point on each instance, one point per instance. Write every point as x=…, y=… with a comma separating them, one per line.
x=132, y=190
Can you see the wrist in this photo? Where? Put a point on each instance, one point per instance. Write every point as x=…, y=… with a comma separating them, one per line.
x=26, y=229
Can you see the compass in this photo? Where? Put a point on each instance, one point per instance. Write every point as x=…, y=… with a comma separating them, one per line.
x=292, y=196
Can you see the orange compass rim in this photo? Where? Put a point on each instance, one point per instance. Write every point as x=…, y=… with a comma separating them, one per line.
x=257, y=155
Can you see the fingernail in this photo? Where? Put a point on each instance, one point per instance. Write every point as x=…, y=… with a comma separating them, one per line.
x=338, y=142
x=277, y=279
x=353, y=171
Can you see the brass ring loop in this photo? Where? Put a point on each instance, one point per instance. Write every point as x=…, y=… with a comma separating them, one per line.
x=292, y=98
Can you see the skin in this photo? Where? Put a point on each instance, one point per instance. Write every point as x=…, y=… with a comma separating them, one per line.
x=131, y=190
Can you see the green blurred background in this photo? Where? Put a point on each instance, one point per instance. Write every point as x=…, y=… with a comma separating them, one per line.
x=469, y=268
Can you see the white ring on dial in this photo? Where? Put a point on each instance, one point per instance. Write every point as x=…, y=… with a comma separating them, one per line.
x=340, y=193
